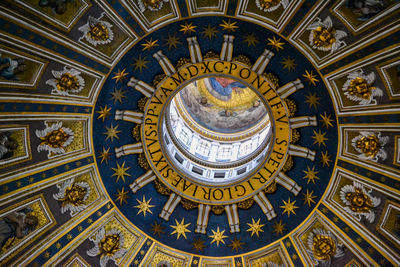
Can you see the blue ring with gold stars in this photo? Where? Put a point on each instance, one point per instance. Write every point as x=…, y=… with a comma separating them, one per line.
x=250, y=40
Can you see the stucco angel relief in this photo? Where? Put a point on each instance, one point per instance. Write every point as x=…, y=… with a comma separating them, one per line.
x=66, y=81
x=55, y=138
x=370, y=145
x=108, y=245
x=271, y=5
x=97, y=32
x=359, y=201
x=323, y=246
x=325, y=37
x=73, y=196
x=359, y=88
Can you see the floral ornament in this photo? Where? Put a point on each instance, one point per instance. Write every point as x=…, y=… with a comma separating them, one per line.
x=358, y=88
x=73, y=196
x=54, y=138
x=66, y=81
x=108, y=246
x=324, y=37
x=370, y=146
x=323, y=246
x=359, y=201
x=164, y=264
x=152, y=5
x=97, y=31
x=271, y=5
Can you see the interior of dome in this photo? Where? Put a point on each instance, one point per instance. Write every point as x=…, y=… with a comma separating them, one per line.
x=199, y=133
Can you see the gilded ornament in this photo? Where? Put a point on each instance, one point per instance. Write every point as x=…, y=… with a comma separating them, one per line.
x=211, y=54
x=323, y=246
x=97, y=32
x=161, y=188
x=273, y=79
x=217, y=209
x=158, y=78
x=271, y=188
x=66, y=82
x=152, y=5
x=136, y=132
x=271, y=5
x=108, y=245
x=55, y=138
x=164, y=263
x=288, y=164
x=295, y=136
x=143, y=162
x=324, y=37
x=182, y=62
x=370, y=145
x=291, y=106
x=246, y=204
x=243, y=59
x=142, y=104
x=73, y=196
x=359, y=88
x=359, y=201
x=188, y=205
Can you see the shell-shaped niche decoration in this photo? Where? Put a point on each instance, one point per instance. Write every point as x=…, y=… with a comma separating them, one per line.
x=359, y=88
x=323, y=246
x=97, y=32
x=152, y=5
x=370, y=145
x=55, y=138
x=324, y=37
x=66, y=82
x=271, y=5
x=73, y=196
x=359, y=201
x=108, y=245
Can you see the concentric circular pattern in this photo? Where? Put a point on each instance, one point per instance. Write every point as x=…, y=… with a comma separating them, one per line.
x=279, y=196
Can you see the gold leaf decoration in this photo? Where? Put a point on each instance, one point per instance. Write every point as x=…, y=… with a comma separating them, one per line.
x=288, y=164
x=142, y=103
x=272, y=78
x=158, y=78
x=243, y=59
x=271, y=188
x=182, y=62
x=211, y=54
x=291, y=106
x=218, y=209
x=295, y=136
x=161, y=188
x=188, y=204
x=136, y=132
x=143, y=162
x=246, y=204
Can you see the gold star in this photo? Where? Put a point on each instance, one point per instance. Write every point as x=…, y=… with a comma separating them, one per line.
x=120, y=75
x=325, y=158
x=279, y=227
x=311, y=175
x=188, y=28
x=180, y=229
x=309, y=198
x=288, y=63
x=310, y=76
x=250, y=39
x=198, y=245
x=47, y=255
x=120, y=171
x=255, y=227
x=289, y=207
x=312, y=100
x=319, y=138
x=157, y=229
x=236, y=244
x=229, y=26
x=218, y=236
x=117, y=95
x=275, y=43
x=69, y=236
x=80, y=228
x=172, y=41
x=31, y=179
x=149, y=44
x=144, y=206
x=112, y=132
x=140, y=63
x=58, y=245
x=326, y=120
x=105, y=155
x=90, y=220
x=104, y=112
x=209, y=32
x=122, y=196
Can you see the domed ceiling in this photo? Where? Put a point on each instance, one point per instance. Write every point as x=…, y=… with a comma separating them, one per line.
x=85, y=85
